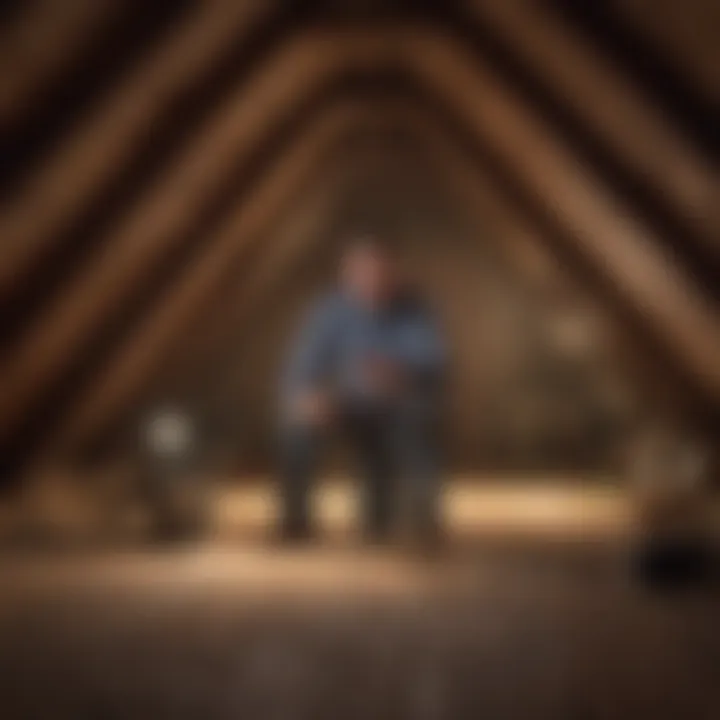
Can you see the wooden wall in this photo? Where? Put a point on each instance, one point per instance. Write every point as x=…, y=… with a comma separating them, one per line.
x=175, y=176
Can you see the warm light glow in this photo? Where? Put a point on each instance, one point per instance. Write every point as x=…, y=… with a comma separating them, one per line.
x=513, y=507
x=169, y=433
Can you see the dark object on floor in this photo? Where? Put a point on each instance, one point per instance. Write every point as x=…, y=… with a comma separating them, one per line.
x=169, y=482
x=673, y=564
x=289, y=534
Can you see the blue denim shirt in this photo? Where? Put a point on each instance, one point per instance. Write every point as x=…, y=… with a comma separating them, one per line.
x=339, y=336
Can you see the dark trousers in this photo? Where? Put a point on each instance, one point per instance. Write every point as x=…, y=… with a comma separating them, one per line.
x=397, y=461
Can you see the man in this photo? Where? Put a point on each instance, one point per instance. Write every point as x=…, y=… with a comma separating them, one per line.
x=368, y=361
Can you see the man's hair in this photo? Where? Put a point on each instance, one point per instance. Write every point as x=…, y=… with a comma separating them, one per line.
x=368, y=241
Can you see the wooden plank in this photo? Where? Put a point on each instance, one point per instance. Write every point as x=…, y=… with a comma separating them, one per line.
x=154, y=225
x=168, y=322
x=612, y=107
x=604, y=228
x=84, y=164
x=688, y=32
x=44, y=41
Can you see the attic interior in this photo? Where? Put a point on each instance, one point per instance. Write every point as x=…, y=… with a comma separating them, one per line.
x=177, y=180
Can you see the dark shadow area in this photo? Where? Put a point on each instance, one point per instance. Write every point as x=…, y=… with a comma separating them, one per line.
x=647, y=65
x=109, y=55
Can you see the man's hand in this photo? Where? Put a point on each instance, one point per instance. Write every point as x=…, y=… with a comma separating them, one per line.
x=312, y=406
x=386, y=379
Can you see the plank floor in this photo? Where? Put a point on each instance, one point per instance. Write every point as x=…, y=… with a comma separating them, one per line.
x=527, y=613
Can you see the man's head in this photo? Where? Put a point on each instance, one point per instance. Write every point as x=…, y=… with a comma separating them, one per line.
x=367, y=271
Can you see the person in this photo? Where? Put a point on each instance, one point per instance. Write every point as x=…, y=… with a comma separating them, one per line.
x=369, y=361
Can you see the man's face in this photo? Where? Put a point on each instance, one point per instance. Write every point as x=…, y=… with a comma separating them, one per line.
x=367, y=273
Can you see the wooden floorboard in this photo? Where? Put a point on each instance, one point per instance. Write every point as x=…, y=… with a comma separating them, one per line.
x=500, y=624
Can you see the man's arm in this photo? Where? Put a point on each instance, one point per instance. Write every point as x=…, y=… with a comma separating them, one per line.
x=312, y=354
x=418, y=361
x=422, y=349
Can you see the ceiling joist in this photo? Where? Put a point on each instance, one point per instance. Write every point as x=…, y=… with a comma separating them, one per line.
x=606, y=230
x=76, y=173
x=612, y=107
x=169, y=320
x=146, y=353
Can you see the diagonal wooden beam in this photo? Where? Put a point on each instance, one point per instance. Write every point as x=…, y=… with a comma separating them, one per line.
x=41, y=44
x=161, y=328
x=503, y=222
x=74, y=176
x=293, y=232
x=517, y=238
x=602, y=226
x=688, y=32
x=227, y=139
x=181, y=314
x=618, y=244
x=500, y=219
x=532, y=253
x=607, y=102
x=221, y=316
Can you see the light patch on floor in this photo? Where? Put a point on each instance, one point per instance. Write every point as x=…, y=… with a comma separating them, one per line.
x=469, y=506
